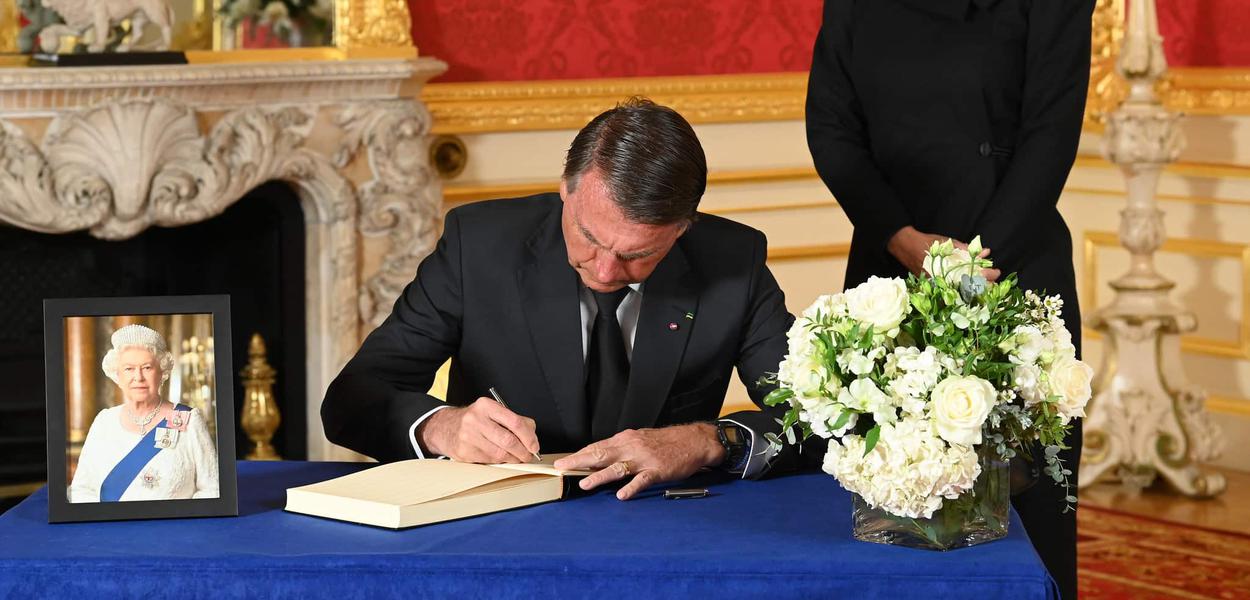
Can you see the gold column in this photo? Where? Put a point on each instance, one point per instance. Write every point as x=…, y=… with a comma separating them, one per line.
x=81, y=366
x=10, y=26
x=260, y=417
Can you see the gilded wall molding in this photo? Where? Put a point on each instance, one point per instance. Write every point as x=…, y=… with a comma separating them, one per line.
x=546, y=105
x=460, y=194
x=1239, y=348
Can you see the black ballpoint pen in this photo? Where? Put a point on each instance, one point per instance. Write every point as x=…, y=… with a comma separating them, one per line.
x=494, y=394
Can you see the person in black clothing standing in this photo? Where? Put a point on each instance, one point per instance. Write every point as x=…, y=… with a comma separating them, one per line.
x=935, y=119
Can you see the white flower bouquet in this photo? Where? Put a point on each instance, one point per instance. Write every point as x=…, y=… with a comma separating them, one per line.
x=922, y=385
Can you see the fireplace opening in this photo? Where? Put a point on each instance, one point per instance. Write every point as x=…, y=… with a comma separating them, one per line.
x=254, y=251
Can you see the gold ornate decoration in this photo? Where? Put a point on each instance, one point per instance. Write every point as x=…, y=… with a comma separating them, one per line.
x=363, y=28
x=10, y=26
x=260, y=417
x=539, y=105
x=1106, y=87
x=1207, y=91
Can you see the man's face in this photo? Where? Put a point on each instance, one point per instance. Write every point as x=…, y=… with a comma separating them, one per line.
x=607, y=250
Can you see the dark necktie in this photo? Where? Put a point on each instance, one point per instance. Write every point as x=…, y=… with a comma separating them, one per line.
x=607, y=366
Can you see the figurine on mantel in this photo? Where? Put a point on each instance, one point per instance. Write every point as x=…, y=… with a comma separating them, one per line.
x=99, y=17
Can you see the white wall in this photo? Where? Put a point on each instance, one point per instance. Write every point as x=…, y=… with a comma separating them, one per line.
x=762, y=177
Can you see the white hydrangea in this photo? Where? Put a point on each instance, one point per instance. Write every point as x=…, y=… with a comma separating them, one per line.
x=908, y=473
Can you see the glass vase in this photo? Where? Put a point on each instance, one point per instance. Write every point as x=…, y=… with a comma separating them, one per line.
x=976, y=517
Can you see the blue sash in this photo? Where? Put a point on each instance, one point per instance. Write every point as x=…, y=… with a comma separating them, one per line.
x=125, y=471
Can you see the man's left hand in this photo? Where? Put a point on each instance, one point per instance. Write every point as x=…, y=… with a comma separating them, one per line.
x=651, y=456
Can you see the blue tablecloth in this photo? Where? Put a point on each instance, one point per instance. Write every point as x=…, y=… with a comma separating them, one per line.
x=784, y=538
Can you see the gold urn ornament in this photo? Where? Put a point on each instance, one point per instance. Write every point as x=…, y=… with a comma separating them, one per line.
x=260, y=417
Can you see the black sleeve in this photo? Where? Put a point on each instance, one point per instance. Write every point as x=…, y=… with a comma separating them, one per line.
x=761, y=349
x=371, y=406
x=838, y=139
x=1052, y=109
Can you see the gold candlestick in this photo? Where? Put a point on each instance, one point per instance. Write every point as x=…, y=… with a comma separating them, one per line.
x=260, y=417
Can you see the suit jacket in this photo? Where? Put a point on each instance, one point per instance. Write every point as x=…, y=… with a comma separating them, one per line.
x=499, y=298
x=958, y=117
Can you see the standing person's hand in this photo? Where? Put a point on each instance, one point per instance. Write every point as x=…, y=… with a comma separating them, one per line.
x=650, y=456
x=482, y=432
x=910, y=245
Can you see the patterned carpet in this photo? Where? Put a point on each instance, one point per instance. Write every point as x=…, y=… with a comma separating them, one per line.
x=1127, y=556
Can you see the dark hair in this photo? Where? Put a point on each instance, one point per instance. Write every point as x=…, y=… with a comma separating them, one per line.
x=650, y=160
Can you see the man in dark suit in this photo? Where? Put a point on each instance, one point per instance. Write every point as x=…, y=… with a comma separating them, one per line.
x=936, y=119
x=609, y=317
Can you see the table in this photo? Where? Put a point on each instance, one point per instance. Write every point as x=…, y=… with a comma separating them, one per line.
x=787, y=537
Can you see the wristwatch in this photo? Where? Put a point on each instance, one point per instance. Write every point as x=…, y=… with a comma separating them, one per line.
x=737, y=443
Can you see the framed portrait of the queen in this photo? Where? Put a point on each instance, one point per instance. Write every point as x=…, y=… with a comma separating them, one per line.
x=140, y=408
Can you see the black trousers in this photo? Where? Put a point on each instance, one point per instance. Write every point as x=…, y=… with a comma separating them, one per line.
x=1052, y=531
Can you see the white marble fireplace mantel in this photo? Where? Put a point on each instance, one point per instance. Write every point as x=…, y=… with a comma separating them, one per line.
x=115, y=150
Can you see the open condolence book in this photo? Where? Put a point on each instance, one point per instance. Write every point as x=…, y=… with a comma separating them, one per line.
x=422, y=491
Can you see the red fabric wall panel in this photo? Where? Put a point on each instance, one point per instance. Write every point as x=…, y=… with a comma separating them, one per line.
x=508, y=40
x=1205, y=33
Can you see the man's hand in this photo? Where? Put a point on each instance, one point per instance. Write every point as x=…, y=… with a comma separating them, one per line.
x=910, y=246
x=651, y=456
x=482, y=432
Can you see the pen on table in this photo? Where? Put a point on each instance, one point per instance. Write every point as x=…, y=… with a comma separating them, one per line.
x=495, y=394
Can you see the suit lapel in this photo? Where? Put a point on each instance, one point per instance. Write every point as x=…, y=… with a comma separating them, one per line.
x=669, y=294
x=549, y=297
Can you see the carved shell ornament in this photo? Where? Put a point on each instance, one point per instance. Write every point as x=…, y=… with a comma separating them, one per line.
x=114, y=154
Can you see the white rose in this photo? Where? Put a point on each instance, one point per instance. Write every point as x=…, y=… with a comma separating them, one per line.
x=882, y=303
x=1071, y=379
x=960, y=406
x=950, y=267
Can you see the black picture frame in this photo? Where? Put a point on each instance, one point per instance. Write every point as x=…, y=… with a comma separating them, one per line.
x=60, y=510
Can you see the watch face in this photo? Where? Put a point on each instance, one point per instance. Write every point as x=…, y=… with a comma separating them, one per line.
x=733, y=435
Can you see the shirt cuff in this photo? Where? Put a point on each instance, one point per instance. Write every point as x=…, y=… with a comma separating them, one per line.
x=412, y=431
x=757, y=462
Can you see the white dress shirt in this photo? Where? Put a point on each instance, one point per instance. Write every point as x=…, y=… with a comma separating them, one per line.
x=627, y=315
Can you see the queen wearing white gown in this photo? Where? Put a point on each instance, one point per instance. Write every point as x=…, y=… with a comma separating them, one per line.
x=146, y=448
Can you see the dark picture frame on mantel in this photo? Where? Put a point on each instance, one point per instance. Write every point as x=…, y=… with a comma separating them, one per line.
x=114, y=470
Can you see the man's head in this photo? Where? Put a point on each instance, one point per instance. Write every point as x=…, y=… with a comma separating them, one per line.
x=632, y=182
